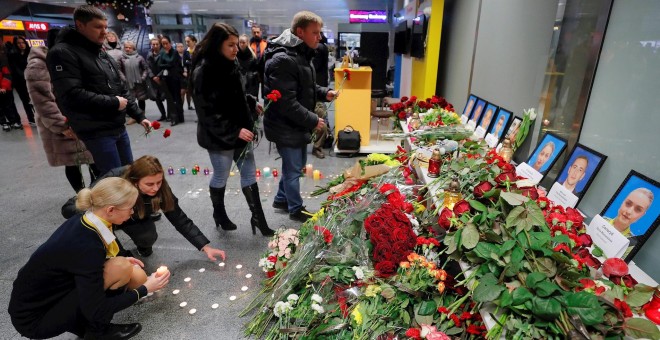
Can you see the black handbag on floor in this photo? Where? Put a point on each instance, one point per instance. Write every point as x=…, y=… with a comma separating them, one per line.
x=348, y=140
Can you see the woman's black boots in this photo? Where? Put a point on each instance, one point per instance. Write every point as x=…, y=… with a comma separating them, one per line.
x=258, y=219
x=219, y=212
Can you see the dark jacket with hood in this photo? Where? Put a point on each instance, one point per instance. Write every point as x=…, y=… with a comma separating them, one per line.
x=288, y=69
x=222, y=107
x=86, y=82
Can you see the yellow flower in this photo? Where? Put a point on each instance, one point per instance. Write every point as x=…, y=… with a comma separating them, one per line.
x=357, y=316
x=318, y=215
x=419, y=208
x=378, y=157
x=372, y=290
x=392, y=163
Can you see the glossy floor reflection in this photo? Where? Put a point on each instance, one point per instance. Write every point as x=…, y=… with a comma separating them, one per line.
x=32, y=193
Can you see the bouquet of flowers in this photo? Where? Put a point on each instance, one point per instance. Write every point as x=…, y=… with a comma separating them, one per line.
x=283, y=246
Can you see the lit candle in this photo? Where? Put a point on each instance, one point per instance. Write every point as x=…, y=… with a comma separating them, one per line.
x=170, y=170
x=317, y=175
x=275, y=173
x=162, y=270
x=206, y=171
x=309, y=170
x=258, y=172
x=266, y=172
x=182, y=170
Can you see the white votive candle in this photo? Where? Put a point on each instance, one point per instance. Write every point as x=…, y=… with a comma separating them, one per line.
x=183, y=304
x=162, y=270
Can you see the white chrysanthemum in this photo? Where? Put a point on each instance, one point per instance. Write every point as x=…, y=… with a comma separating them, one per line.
x=359, y=273
x=292, y=298
x=277, y=310
x=317, y=298
x=318, y=308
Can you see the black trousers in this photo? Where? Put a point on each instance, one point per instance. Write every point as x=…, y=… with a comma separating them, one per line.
x=143, y=233
x=8, y=112
x=21, y=89
x=172, y=91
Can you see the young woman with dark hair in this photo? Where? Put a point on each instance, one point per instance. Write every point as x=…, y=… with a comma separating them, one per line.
x=226, y=119
x=18, y=60
x=171, y=72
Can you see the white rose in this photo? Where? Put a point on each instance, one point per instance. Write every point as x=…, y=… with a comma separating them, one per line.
x=359, y=273
x=318, y=308
x=317, y=298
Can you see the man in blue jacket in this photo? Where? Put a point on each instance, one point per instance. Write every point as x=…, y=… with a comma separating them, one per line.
x=90, y=92
x=289, y=121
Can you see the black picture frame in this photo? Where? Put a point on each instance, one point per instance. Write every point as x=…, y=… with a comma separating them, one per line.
x=507, y=115
x=552, y=158
x=490, y=107
x=481, y=103
x=471, y=99
x=591, y=171
x=648, y=223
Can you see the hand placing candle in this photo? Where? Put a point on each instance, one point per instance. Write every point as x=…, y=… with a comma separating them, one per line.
x=162, y=270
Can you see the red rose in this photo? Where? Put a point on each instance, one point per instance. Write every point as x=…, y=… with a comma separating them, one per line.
x=402, y=234
x=588, y=259
x=443, y=220
x=482, y=188
x=385, y=268
x=507, y=167
x=270, y=273
x=585, y=240
x=505, y=177
x=382, y=252
x=461, y=207
x=623, y=307
x=413, y=99
x=627, y=280
x=615, y=266
x=155, y=124
x=404, y=99
x=167, y=133
x=530, y=192
x=402, y=115
x=347, y=74
x=414, y=333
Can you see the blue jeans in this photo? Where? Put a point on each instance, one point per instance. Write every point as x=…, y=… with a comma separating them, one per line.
x=110, y=152
x=293, y=160
x=222, y=162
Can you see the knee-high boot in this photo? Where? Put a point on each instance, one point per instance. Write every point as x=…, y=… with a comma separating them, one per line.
x=219, y=212
x=258, y=219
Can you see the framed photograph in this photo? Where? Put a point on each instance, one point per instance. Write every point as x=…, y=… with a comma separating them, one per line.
x=469, y=105
x=634, y=210
x=500, y=123
x=478, y=109
x=546, y=153
x=580, y=170
x=487, y=117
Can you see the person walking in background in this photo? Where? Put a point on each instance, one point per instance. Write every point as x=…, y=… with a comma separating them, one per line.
x=289, y=121
x=156, y=92
x=135, y=72
x=62, y=146
x=18, y=59
x=186, y=61
x=9, y=117
x=226, y=118
x=191, y=42
x=169, y=75
x=247, y=61
x=89, y=90
x=112, y=46
x=75, y=282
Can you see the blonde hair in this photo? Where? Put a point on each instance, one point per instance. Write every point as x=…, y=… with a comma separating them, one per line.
x=302, y=19
x=109, y=191
x=131, y=44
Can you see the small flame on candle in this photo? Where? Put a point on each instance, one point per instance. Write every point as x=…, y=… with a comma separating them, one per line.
x=214, y=306
x=244, y=288
x=238, y=266
x=221, y=264
x=232, y=298
x=183, y=304
x=192, y=311
x=175, y=292
x=248, y=276
x=187, y=279
x=201, y=270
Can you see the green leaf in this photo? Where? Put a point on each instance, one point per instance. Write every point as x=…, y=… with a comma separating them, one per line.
x=513, y=268
x=539, y=240
x=450, y=241
x=454, y=331
x=427, y=308
x=639, y=328
x=596, y=251
x=478, y=206
x=485, y=249
x=488, y=279
x=546, y=288
x=513, y=198
x=487, y=292
x=423, y=319
x=534, y=278
x=586, y=306
x=520, y=295
x=546, y=309
x=507, y=246
x=406, y=317
x=517, y=254
x=506, y=299
x=470, y=236
x=535, y=213
x=641, y=295
x=547, y=266
x=615, y=293
x=514, y=215
x=561, y=239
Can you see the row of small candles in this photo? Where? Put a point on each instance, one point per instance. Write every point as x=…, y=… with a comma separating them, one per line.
x=308, y=170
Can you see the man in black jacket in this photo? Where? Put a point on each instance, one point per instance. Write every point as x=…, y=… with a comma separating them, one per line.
x=90, y=92
x=289, y=121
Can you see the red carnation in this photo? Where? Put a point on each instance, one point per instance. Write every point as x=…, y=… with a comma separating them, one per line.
x=474, y=329
x=167, y=133
x=414, y=333
x=461, y=207
x=482, y=188
x=347, y=74
x=155, y=124
x=443, y=310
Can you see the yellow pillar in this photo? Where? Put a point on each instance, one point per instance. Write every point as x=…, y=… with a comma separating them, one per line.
x=353, y=107
x=425, y=71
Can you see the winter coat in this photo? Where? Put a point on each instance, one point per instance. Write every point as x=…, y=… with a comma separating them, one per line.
x=51, y=123
x=139, y=90
x=289, y=121
x=86, y=82
x=171, y=65
x=17, y=64
x=222, y=107
x=116, y=53
x=248, y=69
x=320, y=62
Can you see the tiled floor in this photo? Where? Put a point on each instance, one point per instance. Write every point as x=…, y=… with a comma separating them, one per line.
x=31, y=194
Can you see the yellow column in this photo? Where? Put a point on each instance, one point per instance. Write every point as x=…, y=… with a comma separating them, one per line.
x=353, y=107
x=425, y=71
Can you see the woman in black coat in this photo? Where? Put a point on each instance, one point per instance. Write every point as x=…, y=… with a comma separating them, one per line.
x=18, y=60
x=171, y=72
x=75, y=282
x=226, y=119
